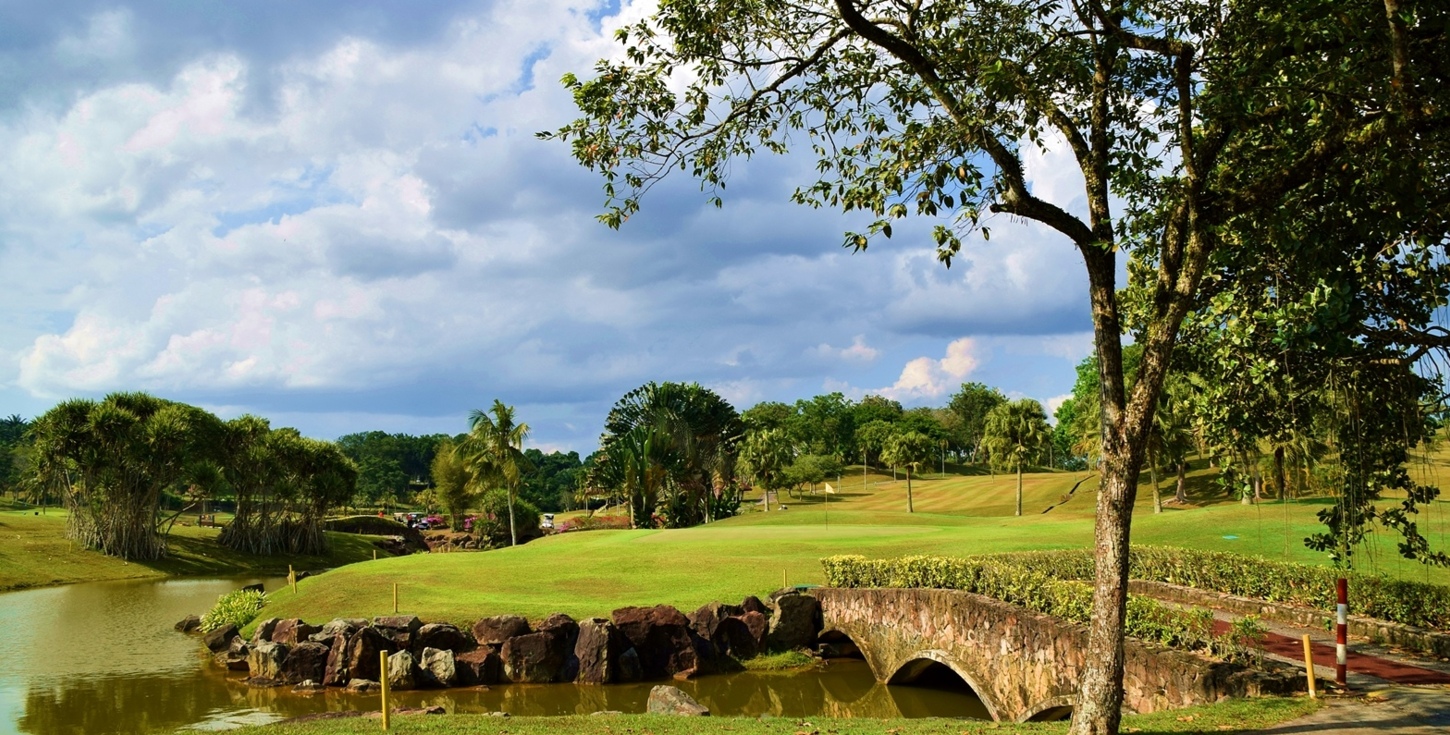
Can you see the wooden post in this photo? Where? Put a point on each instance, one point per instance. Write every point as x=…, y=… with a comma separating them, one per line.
x=395, y=598
x=383, y=680
x=1341, y=631
x=375, y=554
x=292, y=578
x=785, y=578
x=1309, y=667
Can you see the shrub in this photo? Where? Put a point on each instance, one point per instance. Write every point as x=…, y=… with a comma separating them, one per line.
x=594, y=523
x=1027, y=587
x=1374, y=595
x=492, y=524
x=237, y=608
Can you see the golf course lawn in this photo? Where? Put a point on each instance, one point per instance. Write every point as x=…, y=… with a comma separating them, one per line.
x=590, y=573
x=1239, y=715
x=35, y=552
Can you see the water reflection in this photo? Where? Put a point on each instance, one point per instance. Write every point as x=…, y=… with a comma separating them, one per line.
x=101, y=658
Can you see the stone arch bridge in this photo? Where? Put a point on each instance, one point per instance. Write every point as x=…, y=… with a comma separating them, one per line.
x=1023, y=665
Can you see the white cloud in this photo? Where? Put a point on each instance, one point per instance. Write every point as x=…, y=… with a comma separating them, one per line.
x=925, y=377
x=1054, y=403
x=858, y=351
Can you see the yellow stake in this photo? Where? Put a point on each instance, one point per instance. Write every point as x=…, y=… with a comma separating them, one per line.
x=292, y=578
x=784, y=578
x=395, y=598
x=383, y=663
x=1309, y=668
x=375, y=554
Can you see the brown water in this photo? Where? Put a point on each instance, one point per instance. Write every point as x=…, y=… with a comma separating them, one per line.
x=101, y=658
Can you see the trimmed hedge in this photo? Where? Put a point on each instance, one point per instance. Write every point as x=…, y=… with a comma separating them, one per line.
x=1373, y=595
x=1033, y=589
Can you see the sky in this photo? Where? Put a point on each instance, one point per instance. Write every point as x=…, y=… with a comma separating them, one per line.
x=336, y=215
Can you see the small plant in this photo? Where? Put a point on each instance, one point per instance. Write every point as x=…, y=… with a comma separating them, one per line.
x=237, y=608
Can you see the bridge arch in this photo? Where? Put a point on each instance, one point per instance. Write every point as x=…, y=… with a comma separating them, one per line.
x=918, y=663
x=1052, y=710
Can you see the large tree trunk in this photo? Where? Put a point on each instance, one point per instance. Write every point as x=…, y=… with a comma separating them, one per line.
x=1180, y=495
x=513, y=533
x=1281, y=478
x=1153, y=477
x=908, y=491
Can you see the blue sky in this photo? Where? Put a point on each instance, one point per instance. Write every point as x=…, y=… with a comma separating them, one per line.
x=336, y=215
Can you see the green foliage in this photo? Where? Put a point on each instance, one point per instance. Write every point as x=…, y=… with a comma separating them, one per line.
x=453, y=482
x=909, y=450
x=493, y=523
x=493, y=452
x=1015, y=433
x=1377, y=596
x=389, y=463
x=1028, y=586
x=554, y=481
x=971, y=404
x=238, y=608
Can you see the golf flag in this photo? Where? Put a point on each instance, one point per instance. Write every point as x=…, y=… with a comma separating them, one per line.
x=830, y=489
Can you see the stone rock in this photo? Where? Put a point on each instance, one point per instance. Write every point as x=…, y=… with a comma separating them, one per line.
x=307, y=686
x=597, y=649
x=630, y=669
x=219, y=639
x=708, y=617
x=362, y=654
x=229, y=661
x=661, y=636
x=437, y=667
x=238, y=647
x=306, y=661
x=753, y=604
x=400, y=671
x=188, y=624
x=436, y=709
x=668, y=700
x=442, y=636
x=566, y=635
x=535, y=658
x=340, y=627
x=363, y=685
x=336, y=673
x=497, y=629
x=400, y=629
x=292, y=631
x=734, y=638
x=797, y=622
x=759, y=627
x=253, y=588
x=265, y=660
x=479, y=666
x=264, y=630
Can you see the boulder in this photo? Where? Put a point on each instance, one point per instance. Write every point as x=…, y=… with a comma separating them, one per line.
x=630, y=669
x=442, y=636
x=796, y=623
x=479, y=666
x=753, y=604
x=708, y=617
x=497, y=629
x=400, y=629
x=227, y=660
x=531, y=659
x=336, y=673
x=339, y=627
x=188, y=624
x=291, y=631
x=362, y=654
x=597, y=649
x=437, y=667
x=265, y=660
x=401, y=671
x=734, y=638
x=263, y=631
x=362, y=686
x=566, y=635
x=219, y=639
x=668, y=700
x=307, y=661
x=759, y=627
x=253, y=588
x=661, y=636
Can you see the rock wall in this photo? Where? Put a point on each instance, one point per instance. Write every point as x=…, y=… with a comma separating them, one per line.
x=1022, y=664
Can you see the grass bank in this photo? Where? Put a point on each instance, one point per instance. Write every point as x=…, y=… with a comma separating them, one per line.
x=34, y=552
x=591, y=573
x=1234, y=716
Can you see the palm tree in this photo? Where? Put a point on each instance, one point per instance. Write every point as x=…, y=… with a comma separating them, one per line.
x=494, y=453
x=1014, y=433
x=909, y=450
x=764, y=455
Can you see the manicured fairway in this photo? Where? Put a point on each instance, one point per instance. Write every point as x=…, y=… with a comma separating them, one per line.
x=593, y=572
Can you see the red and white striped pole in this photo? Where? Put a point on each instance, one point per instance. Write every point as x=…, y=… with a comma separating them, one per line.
x=1341, y=630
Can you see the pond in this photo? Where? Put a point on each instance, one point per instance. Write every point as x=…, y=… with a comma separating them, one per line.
x=102, y=658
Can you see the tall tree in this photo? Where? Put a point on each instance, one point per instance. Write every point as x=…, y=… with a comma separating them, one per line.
x=908, y=450
x=1190, y=123
x=765, y=456
x=452, y=481
x=1013, y=435
x=494, y=452
x=971, y=404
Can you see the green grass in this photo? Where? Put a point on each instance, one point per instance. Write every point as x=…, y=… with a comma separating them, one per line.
x=1237, y=715
x=592, y=573
x=35, y=552
x=780, y=661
